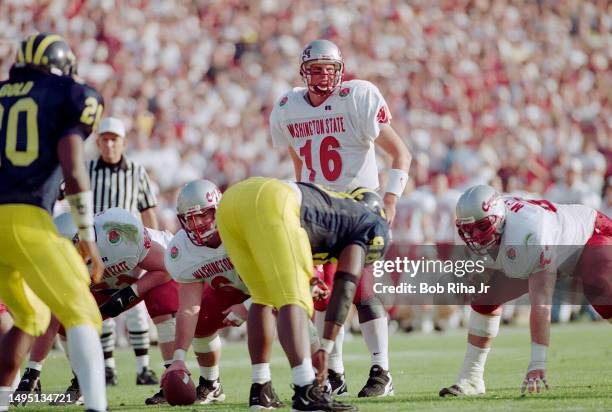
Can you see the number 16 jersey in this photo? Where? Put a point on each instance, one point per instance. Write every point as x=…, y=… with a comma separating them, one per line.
x=335, y=140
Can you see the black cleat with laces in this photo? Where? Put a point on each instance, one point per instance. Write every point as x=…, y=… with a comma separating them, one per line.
x=336, y=384
x=379, y=384
x=72, y=395
x=209, y=391
x=312, y=398
x=157, y=399
x=30, y=383
x=263, y=396
x=147, y=377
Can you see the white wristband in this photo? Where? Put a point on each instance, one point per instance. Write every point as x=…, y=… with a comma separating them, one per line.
x=538, y=357
x=247, y=303
x=396, y=182
x=179, y=354
x=326, y=345
x=81, y=207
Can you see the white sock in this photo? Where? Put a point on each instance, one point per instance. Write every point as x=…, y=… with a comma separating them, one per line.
x=260, y=373
x=88, y=363
x=142, y=362
x=110, y=363
x=376, y=334
x=473, y=363
x=209, y=373
x=35, y=365
x=335, y=357
x=5, y=391
x=16, y=381
x=303, y=374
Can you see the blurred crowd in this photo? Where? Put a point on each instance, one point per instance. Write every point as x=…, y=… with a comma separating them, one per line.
x=515, y=93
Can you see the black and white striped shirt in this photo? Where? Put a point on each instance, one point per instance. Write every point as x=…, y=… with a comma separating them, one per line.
x=125, y=185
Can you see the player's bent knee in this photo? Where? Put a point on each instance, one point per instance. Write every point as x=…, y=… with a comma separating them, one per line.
x=166, y=330
x=207, y=344
x=486, y=326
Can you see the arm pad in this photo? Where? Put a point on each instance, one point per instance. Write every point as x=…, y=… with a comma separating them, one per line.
x=345, y=285
x=118, y=302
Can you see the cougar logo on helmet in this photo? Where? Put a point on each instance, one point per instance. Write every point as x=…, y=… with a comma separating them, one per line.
x=481, y=215
x=196, y=208
x=321, y=52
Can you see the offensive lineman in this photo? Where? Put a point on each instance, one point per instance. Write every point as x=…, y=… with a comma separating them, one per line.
x=128, y=249
x=331, y=128
x=527, y=242
x=209, y=287
x=45, y=114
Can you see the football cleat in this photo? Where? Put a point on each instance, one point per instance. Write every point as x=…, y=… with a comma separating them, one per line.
x=73, y=395
x=312, y=398
x=156, y=399
x=464, y=388
x=336, y=384
x=30, y=383
x=379, y=384
x=263, y=396
x=111, y=376
x=146, y=377
x=209, y=391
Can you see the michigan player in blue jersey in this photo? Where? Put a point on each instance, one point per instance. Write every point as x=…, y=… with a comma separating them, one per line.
x=45, y=115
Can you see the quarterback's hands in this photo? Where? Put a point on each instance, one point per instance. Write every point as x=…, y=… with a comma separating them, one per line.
x=235, y=315
x=534, y=380
x=91, y=255
x=118, y=302
x=319, y=361
x=390, y=202
x=177, y=365
x=318, y=289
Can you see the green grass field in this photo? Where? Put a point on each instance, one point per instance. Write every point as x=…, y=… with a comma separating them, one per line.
x=580, y=374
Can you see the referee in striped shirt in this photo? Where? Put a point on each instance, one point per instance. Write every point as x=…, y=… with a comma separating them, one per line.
x=116, y=181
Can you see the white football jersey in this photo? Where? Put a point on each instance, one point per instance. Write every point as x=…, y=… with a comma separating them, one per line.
x=123, y=243
x=334, y=140
x=541, y=235
x=188, y=263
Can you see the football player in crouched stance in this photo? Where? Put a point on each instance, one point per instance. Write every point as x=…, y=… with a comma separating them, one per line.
x=528, y=243
x=134, y=271
x=210, y=293
x=272, y=230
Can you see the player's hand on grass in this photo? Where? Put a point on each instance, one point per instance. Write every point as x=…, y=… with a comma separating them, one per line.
x=534, y=381
x=91, y=255
x=319, y=361
x=235, y=315
x=318, y=289
x=177, y=365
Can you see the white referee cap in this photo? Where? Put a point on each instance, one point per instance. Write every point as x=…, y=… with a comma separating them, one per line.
x=112, y=125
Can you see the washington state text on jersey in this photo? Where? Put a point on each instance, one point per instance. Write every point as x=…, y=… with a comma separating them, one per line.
x=213, y=268
x=316, y=127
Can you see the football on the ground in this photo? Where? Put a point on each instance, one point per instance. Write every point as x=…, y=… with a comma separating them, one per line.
x=179, y=389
